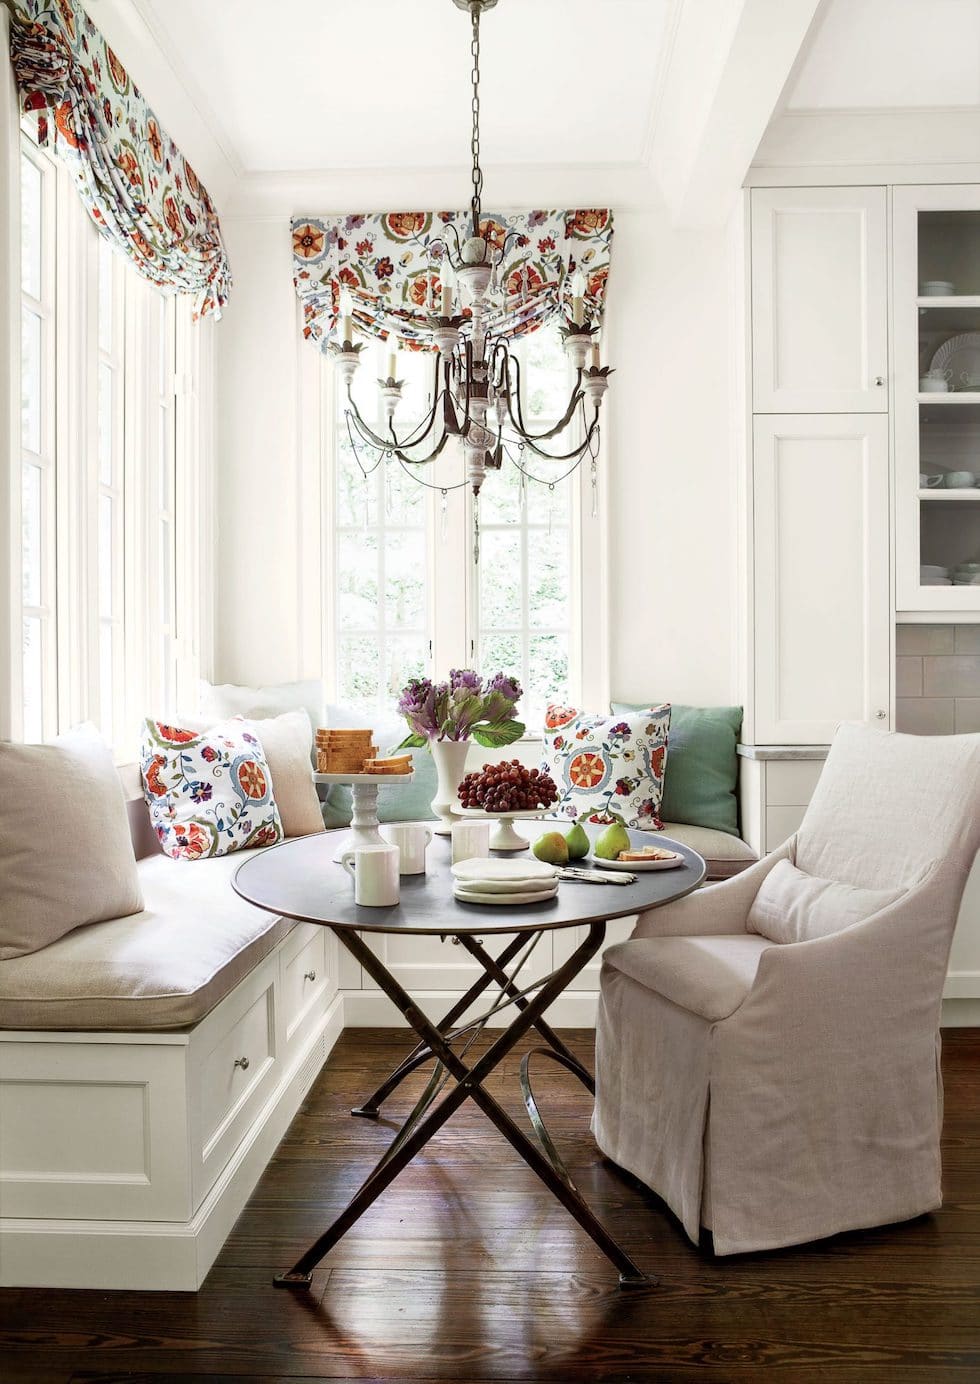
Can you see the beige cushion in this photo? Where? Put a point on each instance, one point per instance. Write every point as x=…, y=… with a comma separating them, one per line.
x=709, y=976
x=164, y=968
x=288, y=741
x=795, y=907
x=66, y=856
x=724, y=855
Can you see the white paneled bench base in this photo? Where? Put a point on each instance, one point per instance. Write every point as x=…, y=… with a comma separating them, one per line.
x=125, y=1158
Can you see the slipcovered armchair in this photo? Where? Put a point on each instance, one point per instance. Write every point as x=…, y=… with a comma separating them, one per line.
x=767, y=1048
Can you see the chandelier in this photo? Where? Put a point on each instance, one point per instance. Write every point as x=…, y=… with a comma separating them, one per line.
x=476, y=380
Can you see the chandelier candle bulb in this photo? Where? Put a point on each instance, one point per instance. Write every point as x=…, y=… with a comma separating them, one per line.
x=392, y=363
x=595, y=355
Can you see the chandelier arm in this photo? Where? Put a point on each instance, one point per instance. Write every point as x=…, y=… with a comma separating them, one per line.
x=578, y=451
x=360, y=466
x=369, y=435
x=396, y=450
x=514, y=397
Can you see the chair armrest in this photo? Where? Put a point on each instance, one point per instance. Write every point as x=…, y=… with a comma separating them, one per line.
x=716, y=909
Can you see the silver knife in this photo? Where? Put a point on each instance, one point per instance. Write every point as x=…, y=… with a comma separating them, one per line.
x=596, y=877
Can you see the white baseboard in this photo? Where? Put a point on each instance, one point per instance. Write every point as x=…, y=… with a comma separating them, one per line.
x=372, y=1009
x=961, y=1013
x=165, y=1255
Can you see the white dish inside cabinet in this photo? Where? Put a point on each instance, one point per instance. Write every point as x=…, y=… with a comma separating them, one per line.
x=936, y=326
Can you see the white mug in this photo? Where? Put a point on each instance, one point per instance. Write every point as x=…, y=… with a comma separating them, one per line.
x=374, y=870
x=471, y=840
x=411, y=838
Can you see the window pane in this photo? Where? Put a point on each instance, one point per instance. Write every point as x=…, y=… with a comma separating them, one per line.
x=358, y=668
x=501, y=653
x=166, y=574
x=545, y=376
x=30, y=381
x=548, y=578
x=33, y=679
x=105, y=296
x=500, y=498
x=357, y=581
x=500, y=580
x=105, y=425
x=106, y=507
x=404, y=659
x=404, y=497
x=30, y=227
x=548, y=669
x=405, y=580
x=356, y=494
x=31, y=531
x=106, y=671
x=166, y=460
x=544, y=505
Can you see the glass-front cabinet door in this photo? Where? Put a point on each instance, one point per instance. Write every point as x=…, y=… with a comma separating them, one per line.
x=937, y=398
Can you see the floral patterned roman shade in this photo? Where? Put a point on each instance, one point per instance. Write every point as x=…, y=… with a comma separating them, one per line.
x=138, y=187
x=390, y=263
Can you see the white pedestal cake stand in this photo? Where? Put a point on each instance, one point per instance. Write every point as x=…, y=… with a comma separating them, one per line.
x=364, y=792
x=504, y=837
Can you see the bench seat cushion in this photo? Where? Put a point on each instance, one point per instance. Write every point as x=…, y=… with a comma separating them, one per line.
x=723, y=854
x=163, y=968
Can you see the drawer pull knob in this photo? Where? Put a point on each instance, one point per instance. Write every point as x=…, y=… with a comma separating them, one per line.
x=242, y=1062
x=310, y=975
x=881, y=715
x=880, y=381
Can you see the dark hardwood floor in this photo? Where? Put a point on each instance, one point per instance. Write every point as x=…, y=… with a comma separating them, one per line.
x=467, y=1270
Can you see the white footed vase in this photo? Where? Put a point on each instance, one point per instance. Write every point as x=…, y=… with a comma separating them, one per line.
x=450, y=762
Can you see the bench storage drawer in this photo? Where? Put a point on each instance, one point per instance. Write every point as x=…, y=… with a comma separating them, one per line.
x=304, y=977
x=233, y=1062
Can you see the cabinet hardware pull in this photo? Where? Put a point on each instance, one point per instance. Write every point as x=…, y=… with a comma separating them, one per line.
x=310, y=975
x=242, y=1062
x=881, y=715
x=880, y=381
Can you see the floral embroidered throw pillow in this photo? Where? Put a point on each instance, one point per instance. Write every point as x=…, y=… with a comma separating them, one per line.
x=608, y=764
x=209, y=792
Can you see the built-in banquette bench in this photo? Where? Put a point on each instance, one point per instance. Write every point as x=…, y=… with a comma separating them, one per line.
x=148, y=1068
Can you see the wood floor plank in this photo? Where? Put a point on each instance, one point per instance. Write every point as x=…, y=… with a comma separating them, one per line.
x=467, y=1270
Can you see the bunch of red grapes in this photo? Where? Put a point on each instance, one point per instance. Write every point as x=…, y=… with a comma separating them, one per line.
x=508, y=788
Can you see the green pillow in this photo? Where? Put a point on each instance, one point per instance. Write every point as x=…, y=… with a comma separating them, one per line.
x=702, y=767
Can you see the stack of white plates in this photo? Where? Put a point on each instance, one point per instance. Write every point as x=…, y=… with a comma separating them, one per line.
x=504, y=882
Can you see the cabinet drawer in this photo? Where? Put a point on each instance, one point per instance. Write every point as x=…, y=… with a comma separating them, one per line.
x=304, y=975
x=232, y=1069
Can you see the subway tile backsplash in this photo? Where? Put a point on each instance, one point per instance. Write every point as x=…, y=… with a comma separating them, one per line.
x=937, y=679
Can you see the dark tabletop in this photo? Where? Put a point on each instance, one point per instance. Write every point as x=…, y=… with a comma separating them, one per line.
x=300, y=879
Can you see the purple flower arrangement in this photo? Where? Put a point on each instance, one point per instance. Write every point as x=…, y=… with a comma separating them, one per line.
x=464, y=708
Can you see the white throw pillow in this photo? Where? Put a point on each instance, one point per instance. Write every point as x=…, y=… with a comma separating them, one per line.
x=221, y=700
x=66, y=855
x=288, y=742
x=795, y=907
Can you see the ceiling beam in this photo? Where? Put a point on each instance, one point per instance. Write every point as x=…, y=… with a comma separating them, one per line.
x=729, y=62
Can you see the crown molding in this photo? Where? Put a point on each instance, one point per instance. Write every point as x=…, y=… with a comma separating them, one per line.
x=935, y=137
x=274, y=195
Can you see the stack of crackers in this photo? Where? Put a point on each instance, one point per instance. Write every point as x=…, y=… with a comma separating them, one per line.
x=344, y=751
x=353, y=752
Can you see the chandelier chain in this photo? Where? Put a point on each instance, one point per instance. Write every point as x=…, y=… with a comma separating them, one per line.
x=475, y=203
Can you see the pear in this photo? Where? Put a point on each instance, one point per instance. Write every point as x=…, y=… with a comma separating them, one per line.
x=577, y=842
x=552, y=848
x=614, y=839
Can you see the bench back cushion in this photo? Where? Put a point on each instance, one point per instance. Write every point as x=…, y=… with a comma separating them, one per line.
x=66, y=856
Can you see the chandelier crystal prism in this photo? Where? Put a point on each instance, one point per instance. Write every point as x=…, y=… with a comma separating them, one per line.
x=476, y=382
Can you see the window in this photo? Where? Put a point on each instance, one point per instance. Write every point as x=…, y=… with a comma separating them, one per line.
x=112, y=461
x=39, y=674
x=403, y=595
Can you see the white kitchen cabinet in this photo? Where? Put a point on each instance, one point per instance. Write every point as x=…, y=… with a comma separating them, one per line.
x=819, y=300
x=822, y=615
x=936, y=316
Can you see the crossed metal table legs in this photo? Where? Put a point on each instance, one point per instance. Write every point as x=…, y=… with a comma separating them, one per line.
x=437, y=1042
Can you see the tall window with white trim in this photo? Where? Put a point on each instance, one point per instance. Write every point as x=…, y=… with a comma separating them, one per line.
x=110, y=492
x=39, y=669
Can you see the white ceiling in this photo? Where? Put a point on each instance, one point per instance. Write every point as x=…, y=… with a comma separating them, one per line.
x=890, y=55
x=365, y=84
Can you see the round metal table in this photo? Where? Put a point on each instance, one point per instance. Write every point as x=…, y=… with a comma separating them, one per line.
x=300, y=879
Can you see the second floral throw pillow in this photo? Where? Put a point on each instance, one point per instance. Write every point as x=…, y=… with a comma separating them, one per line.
x=209, y=792
x=606, y=765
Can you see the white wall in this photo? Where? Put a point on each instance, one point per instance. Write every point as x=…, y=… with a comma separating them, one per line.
x=668, y=448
